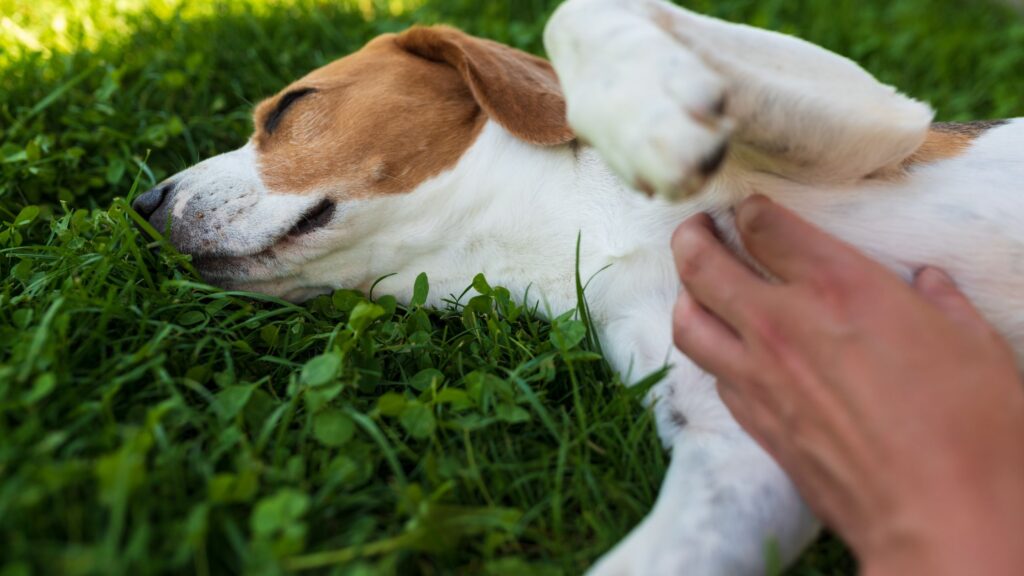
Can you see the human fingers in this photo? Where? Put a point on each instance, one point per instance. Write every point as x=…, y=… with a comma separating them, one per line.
x=707, y=340
x=791, y=248
x=712, y=275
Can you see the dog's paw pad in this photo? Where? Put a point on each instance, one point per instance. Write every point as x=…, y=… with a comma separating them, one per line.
x=656, y=113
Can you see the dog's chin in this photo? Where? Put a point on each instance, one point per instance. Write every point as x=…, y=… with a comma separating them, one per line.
x=275, y=271
x=227, y=271
x=274, y=267
x=293, y=294
x=290, y=289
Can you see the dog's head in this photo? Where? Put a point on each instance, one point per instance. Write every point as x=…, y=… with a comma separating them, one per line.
x=375, y=124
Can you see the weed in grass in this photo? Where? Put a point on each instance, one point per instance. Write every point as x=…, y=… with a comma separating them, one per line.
x=152, y=424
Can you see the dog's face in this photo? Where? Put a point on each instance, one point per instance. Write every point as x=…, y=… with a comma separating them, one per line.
x=372, y=125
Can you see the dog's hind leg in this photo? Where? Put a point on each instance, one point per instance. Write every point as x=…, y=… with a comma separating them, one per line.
x=661, y=92
x=724, y=502
x=725, y=508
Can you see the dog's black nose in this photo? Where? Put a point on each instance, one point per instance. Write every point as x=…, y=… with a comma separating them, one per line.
x=147, y=203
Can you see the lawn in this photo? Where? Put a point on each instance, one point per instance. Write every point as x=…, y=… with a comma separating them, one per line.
x=152, y=424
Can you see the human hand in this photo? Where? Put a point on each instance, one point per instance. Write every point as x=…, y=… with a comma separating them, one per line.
x=897, y=410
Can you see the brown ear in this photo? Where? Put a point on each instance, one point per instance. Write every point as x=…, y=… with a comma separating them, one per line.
x=517, y=90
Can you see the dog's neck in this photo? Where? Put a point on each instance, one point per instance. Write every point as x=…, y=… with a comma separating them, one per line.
x=509, y=210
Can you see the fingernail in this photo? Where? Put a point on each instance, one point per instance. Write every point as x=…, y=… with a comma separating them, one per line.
x=933, y=278
x=749, y=209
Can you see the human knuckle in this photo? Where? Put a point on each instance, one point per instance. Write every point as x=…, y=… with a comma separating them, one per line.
x=831, y=294
x=764, y=327
x=733, y=298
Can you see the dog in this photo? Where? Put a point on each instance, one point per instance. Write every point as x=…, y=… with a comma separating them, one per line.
x=431, y=150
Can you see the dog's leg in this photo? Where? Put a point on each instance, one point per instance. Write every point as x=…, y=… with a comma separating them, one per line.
x=724, y=501
x=661, y=92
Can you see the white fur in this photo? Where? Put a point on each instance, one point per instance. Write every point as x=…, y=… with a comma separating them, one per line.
x=641, y=80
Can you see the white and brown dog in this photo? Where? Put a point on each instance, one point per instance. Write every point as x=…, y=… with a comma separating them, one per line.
x=435, y=151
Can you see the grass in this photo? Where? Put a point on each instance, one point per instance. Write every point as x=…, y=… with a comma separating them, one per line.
x=152, y=424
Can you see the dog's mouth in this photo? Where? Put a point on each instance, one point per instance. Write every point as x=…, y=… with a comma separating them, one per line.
x=313, y=219
x=221, y=267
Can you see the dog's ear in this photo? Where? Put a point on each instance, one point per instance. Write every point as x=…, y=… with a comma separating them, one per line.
x=515, y=89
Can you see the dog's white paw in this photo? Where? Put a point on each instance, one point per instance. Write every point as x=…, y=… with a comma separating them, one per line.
x=655, y=112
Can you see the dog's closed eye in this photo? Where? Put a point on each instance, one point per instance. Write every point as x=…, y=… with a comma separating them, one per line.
x=274, y=118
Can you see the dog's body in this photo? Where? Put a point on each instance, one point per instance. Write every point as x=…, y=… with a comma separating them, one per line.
x=462, y=161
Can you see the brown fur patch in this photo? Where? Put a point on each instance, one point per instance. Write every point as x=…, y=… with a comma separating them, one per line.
x=401, y=110
x=948, y=140
x=381, y=121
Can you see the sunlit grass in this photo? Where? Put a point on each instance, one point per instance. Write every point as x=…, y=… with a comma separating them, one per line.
x=29, y=27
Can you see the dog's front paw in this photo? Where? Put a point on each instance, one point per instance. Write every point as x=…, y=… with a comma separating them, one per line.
x=655, y=112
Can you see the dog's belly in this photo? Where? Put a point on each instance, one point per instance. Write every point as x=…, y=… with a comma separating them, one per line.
x=964, y=215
